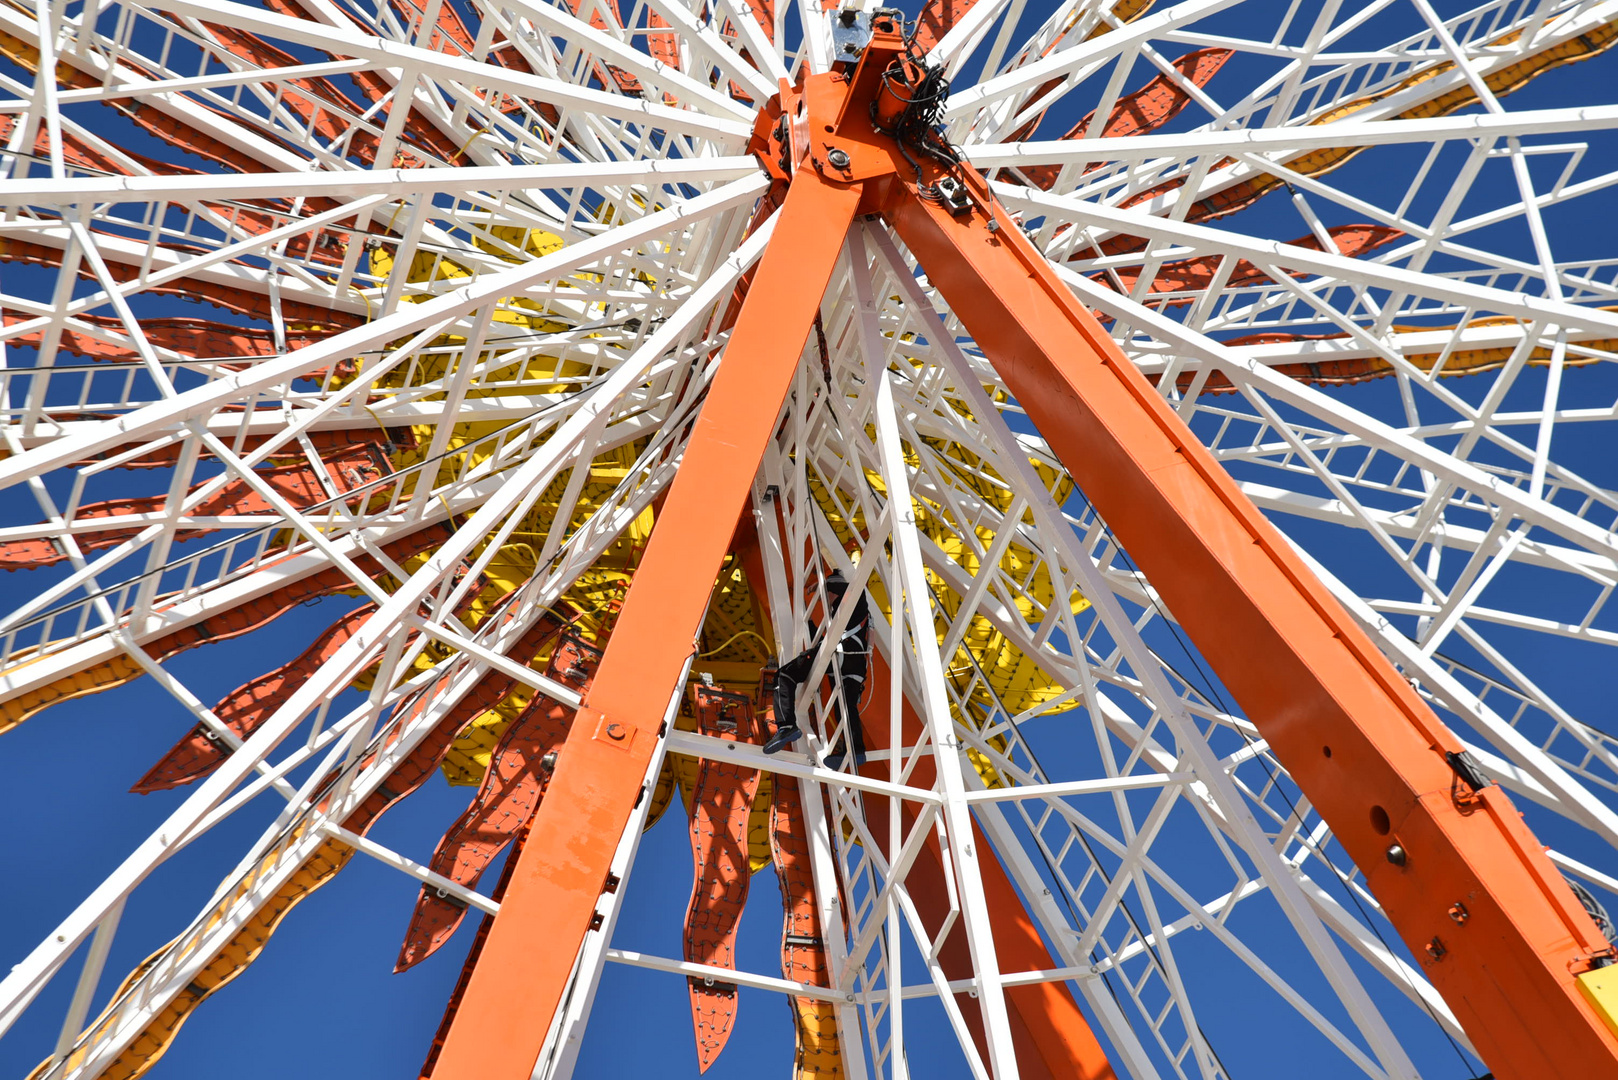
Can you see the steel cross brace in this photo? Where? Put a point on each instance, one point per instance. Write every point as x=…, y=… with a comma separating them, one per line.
x=1468, y=887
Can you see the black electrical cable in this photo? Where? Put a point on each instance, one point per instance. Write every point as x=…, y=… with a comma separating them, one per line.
x=924, y=101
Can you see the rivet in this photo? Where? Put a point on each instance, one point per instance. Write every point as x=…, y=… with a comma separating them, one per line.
x=1397, y=855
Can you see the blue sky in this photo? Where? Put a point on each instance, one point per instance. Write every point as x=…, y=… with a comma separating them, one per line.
x=322, y=1000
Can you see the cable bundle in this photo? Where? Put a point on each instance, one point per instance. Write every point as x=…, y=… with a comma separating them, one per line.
x=910, y=107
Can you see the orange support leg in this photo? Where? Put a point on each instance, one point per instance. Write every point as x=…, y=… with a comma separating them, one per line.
x=1051, y=1038
x=1366, y=750
x=519, y=982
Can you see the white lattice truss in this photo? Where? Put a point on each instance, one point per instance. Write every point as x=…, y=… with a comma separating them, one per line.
x=1463, y=522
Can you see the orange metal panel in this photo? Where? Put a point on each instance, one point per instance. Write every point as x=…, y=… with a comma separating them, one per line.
x=504, y=804
x=550, y=903
x=246, y=708
x=803, y=949
x=1365, y=749
x=220, y=626
x=1136, y=113
x=347, y=468
x=721, y=804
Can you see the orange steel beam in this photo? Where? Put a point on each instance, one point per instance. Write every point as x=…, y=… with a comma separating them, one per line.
x=1468, y=887
x=518, y=983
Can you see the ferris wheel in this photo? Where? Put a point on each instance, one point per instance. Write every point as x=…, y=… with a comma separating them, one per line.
x=1156, y=455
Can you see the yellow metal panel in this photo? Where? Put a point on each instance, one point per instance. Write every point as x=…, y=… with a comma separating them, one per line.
x=1600, y=989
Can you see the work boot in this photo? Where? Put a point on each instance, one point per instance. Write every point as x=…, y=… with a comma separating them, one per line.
x=783, y=738
x=834, y=762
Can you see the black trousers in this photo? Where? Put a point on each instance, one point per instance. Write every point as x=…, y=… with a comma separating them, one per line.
x=791, y=676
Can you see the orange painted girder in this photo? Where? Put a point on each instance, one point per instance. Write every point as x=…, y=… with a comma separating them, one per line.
x=475, y=953
x=1051, y=1038
x=1366, y=750
x=1136, y=113
x=551, y=902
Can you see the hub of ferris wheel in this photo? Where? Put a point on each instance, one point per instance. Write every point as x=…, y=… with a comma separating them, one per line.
x=874, y=119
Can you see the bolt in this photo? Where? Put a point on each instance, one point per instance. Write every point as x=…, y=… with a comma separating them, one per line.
x=1397, y=855
x=1458, y=913
x=838, y=159
x=993, y=226
x=617, y=731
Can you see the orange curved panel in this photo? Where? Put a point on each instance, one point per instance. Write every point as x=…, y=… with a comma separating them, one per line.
x=803, y=952
x=1358, y=369
x=242, y=302
x=244, y=709
x=227, y=624
x=1136, y=113
x=607, y=74
x=722, y=805
x=1504, y=81
x=348, y=468
x=1196, y=275
x=505, y=802
x=325, y=245
x=234, y=958
x=376, y=89
x=451, y=35
x=937, y=18
x=203, y=339
x=1320, y=162
x=148, y=1047
x=390, y=440
x=316, y=101
x=662, y=47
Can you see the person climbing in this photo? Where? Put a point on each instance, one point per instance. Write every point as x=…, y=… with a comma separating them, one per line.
x=850, y=663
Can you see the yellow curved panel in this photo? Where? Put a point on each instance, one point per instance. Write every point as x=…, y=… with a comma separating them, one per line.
x=155, y=1039
x=1502, y=82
